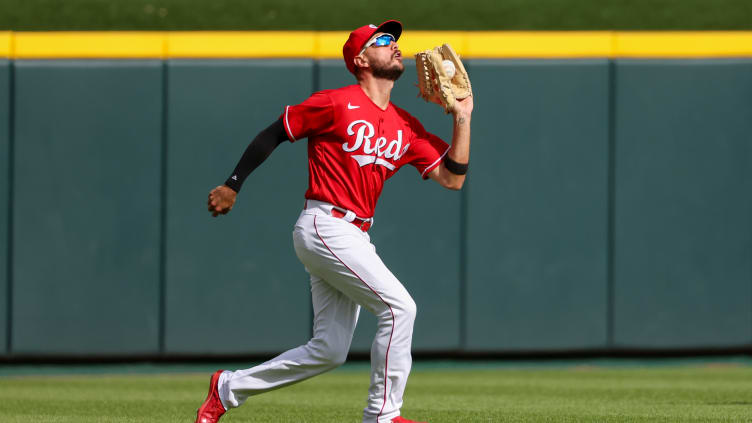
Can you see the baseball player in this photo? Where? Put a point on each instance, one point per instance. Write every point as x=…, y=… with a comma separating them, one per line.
x=356, y=140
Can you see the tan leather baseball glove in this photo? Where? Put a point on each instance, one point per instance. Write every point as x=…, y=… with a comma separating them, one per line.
x=435, y=79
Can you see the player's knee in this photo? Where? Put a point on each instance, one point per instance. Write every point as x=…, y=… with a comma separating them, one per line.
x=406, y=310
x=335, y=357
x=338, y=358
x=329, y=354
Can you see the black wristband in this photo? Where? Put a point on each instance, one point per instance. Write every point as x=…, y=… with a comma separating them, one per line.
x=454, y=167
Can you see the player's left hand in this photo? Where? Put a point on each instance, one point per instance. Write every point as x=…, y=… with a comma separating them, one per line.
x=221, y=200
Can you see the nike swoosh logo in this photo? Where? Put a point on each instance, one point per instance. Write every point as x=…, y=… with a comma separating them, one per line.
x=350, y=106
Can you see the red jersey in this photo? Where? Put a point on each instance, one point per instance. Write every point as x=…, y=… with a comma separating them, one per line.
x=354, y=146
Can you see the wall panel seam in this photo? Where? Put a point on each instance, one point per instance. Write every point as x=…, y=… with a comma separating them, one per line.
x=611, y=207
x=9, y=241
x=462, y=271
x=162, y=304
x=463, y=255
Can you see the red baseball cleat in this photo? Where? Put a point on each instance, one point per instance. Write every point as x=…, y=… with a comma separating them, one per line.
x=400, y=419
x=212, y=409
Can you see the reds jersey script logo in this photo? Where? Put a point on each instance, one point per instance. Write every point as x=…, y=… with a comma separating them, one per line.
x=373, y=151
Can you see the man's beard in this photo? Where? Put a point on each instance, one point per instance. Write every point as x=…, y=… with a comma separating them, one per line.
x=385, y=72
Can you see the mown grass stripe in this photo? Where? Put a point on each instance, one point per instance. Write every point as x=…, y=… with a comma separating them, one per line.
x=328, y=44
x=582, y=394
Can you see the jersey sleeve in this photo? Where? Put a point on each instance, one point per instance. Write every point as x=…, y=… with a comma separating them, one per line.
x=426, y=149
x=312, y=117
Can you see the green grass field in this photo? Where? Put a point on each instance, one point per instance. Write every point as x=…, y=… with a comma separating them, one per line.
x=694, y=392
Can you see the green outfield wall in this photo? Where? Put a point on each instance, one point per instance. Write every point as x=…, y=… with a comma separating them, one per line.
x=86, y=207
x=683, y=210
x=537, y=206
x=233, y=278
x=607, y=207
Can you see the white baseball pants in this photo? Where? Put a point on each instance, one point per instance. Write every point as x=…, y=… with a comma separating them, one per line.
x=346, y=273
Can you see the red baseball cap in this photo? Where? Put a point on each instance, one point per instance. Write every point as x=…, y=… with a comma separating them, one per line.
x=361, y=35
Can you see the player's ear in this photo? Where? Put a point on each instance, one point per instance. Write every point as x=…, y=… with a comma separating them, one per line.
x=360, y=61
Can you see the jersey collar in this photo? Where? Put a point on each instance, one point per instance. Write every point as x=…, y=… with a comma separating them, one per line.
x=368, y=99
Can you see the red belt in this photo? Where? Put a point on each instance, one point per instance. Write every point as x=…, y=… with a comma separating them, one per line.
x=361, y=224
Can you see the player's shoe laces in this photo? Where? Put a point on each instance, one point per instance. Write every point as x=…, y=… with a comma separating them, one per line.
x=212, y=409
x=400, y=419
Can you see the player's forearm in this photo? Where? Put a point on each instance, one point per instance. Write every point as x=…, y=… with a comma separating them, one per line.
x=257, y=151
x=460, y=148
x=452, y=170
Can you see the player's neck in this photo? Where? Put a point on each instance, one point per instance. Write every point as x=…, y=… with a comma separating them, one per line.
x=378, y=90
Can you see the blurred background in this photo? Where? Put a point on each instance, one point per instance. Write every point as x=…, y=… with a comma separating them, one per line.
x=607, y=210
x=343, y=15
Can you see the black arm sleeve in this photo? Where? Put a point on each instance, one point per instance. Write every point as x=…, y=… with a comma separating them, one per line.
x=258, y=150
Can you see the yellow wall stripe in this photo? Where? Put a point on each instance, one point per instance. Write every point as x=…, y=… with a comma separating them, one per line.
x=87, y=45
x=412, y=42
x=217, y=44
x=540, y=44
x=6, y=44
x=683, y=44
x=328, y=44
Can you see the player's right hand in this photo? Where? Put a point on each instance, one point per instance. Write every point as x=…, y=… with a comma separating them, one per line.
x=221, y=200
